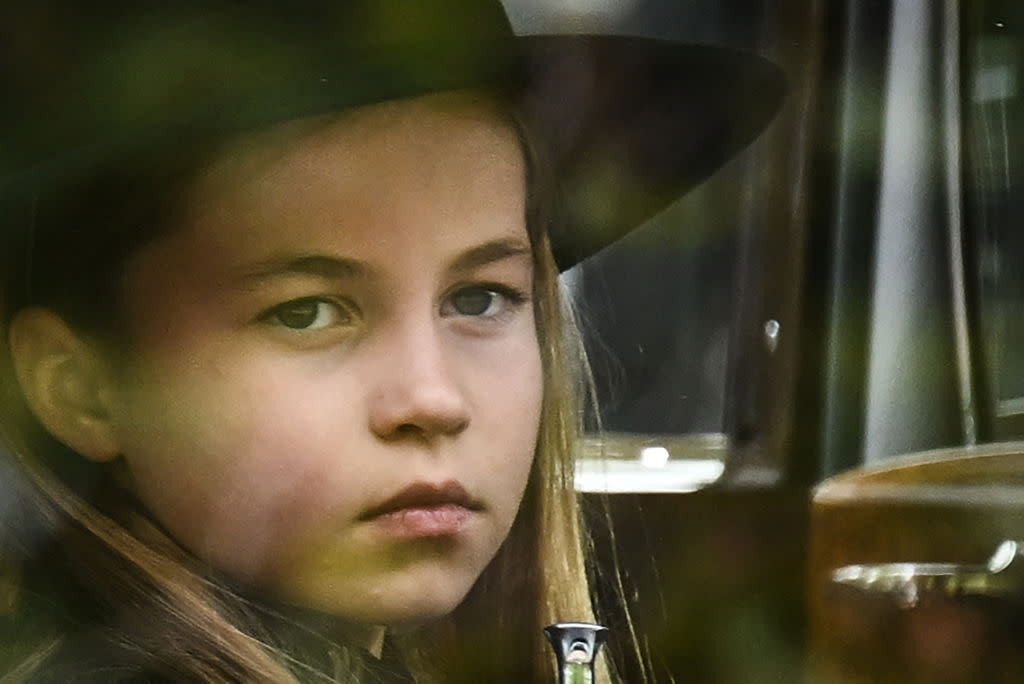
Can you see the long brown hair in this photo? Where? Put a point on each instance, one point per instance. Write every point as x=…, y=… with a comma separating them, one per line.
x=171, y=617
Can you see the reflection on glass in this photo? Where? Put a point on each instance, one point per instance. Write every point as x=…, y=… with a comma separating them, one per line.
x=995, y=193
x=629, y=462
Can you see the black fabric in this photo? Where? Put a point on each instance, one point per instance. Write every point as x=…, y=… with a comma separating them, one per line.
x=389, y=668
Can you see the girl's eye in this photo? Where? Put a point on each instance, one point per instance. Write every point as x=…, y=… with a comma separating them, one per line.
x=309, y=313
x=486, y=301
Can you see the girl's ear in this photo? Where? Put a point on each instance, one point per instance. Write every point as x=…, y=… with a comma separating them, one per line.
x=66, y=384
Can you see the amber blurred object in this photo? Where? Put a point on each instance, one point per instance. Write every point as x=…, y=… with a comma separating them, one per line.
x=951, y=506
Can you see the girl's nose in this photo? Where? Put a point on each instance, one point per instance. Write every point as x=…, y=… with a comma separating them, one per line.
x=417, y=394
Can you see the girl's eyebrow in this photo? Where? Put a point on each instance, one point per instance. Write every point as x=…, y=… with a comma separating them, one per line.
x=337, y=268
x=319, y=265
x=489, y=252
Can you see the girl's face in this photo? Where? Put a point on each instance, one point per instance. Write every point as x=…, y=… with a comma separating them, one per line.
x=334, y=387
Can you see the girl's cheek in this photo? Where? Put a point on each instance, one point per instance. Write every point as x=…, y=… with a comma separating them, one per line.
x=223, y=459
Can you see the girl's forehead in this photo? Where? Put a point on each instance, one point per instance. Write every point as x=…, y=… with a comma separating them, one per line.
x=437, y=175
x=426, y=151
x=406, y=128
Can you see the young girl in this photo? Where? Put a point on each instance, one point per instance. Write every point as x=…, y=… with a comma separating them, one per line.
x=288, y=389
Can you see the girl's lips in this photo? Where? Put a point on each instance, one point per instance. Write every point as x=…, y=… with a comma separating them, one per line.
x=444, y=520
x=424, y=510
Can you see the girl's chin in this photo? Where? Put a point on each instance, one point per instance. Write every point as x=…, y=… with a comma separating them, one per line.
x=392, y=611
x=410, y=613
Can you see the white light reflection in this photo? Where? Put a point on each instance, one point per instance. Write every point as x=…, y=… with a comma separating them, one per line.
x=609, y=476
x=620, y=462
x=655, y=457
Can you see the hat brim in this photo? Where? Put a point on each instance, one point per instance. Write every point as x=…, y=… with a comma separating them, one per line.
x=632, y=124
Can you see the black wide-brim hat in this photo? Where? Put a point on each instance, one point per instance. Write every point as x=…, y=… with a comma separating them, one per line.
x=630, y=124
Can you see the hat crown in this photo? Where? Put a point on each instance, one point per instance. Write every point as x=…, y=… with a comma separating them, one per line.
x=91, y=75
